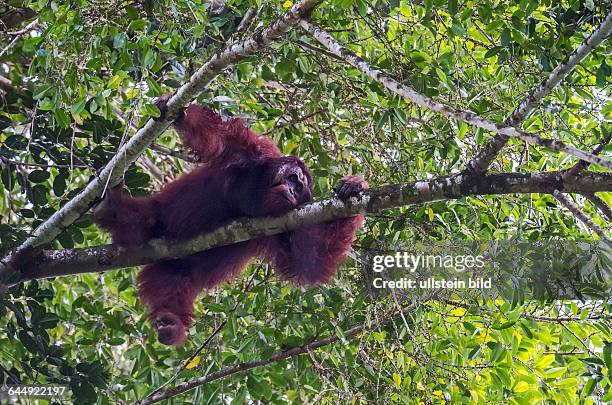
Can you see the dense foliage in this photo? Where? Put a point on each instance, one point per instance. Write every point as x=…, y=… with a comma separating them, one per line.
x=85, y=76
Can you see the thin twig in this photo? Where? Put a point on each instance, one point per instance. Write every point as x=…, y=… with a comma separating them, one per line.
x=583, y=165
x=174, y=153
x=18, y=163
x=600, y=204
x=572, y=173
x=28, y=28
x=318, y=50
x=562, y=198
x=246, y=20
x=293, y=122
x=281, y=86
x=155, y=147
x=566, y=318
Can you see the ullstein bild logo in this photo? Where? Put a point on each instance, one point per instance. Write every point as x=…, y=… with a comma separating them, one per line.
x=433, y=283
x=407, y=262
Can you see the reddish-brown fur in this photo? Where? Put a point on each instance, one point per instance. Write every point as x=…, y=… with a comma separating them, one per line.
x=243, y=174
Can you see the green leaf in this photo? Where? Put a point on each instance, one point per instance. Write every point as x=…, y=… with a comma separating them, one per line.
x=47, y=321
x=505, y=325
x=116, y=80
x=39, y=195
x=258, y=389
x=568, y=383
x=397, y=380
x=149, y=58
x=589, y=387
x=59, y=184
x=492, y=52
x=555, y=372
x=84, y=392
x=497, y=350
x=545, y=361
x=65, y=240
x=78, y=107
x=28, y=342
x=41, y=91
x=266, y=73
x=151, y=110
x=457, y=28
x=62, y=118
x=26, y=213
x=284, y=68
x=602, y=74
x=5, y=122
x=607, y=354
x=419, y=56
x=119, y=41
x=155, y=89
x=521, y=386
x=505, y=38
x=38, y=176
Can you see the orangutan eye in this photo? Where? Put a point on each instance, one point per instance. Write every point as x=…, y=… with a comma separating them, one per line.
x=293, y=178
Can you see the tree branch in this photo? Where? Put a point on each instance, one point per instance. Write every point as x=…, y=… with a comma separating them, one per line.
x=600, y=204
x=154, y=146
x=583, y=165
x=28, y=28
x=483, y=159
x=247, y=18
x=113, y=172
x=566, y=318
x=574, y=171
x=52, y=263
x=466, y=116
x=174, y=153
x=6, y=85
x=15, y=17
x=562, y=198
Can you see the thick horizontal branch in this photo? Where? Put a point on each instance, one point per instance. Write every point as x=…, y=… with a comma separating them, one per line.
x=113, y=172
x=467, y=116
x=483, y=159
x=63, y=262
